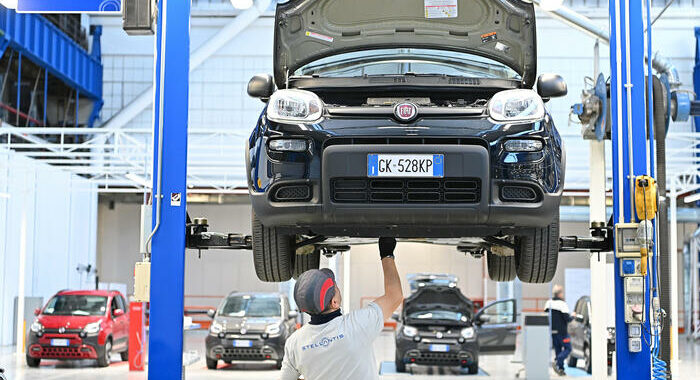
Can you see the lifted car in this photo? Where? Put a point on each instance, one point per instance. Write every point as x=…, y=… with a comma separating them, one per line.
x=396, y=119
x=438, y=327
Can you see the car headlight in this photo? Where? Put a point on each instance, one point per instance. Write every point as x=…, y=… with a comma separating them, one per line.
x=273, y=329
x=216, y=328
x=289, y=145
x=468, y=333
x=523, y=145
x=92, y=328
x=516, y=105
x=410, y=331
x=36, y=327
x=293, y=106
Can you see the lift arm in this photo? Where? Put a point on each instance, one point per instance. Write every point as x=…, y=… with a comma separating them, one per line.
x=601, y=240
x=197, y=236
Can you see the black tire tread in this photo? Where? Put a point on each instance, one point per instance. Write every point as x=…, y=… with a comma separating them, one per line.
x=212, y=363
x=500, y=268
x=273, y=253
x=305, y=262
x=537, y=254
x=33, y=362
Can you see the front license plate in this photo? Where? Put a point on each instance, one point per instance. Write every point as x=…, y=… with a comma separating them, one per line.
x=406, y=165
x=60, y=342
x=439, y=348
x=242, y=343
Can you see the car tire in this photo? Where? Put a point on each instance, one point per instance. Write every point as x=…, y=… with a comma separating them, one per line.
x=573, y=361
x=537, y=253
x=212, y=363
x=104, y=360
x=273, y=253
x=501, y=268
x=279, y=364
x=587, y=354
x=125, y=355
x=400, y=365
x=306, y=261
x=33, y=362
x=473, y=369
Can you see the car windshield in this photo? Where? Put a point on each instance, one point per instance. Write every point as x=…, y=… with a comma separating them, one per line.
x=250, y=306
x=439, y=314
x=407, y=60
x=76, y=305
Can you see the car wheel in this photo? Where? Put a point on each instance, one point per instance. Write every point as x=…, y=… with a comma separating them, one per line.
x=125, y=355
x=400, y=365
x=212, y=363
x=104, y=359
x=537, y=253
x=273, y=253
x=573, y=361
x=279, y=364
x=587, y=354
x=306, y=261
x=501, y=268
x=33, y=362
x=473, y=369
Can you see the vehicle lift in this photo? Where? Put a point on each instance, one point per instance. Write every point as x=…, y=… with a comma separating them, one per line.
x=633, y=168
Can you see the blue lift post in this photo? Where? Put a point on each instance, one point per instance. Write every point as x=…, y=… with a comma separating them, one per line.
x=168, y=243
x=631, y=154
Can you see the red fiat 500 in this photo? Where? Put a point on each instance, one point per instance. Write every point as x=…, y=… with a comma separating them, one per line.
x=84, y=324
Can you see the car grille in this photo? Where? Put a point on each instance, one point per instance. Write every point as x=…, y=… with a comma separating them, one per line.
x=64, y=352
x=438, y=358
x=244, y=354
x=292, y=193
x=511, y=193
x=405, y=141
x=417, y=191
x=67, y=331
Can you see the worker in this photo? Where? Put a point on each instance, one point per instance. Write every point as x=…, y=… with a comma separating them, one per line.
x=335, y=345
x=559, y=320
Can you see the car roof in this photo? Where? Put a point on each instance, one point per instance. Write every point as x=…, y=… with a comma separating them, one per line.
x=104, y=293
x=255, y=294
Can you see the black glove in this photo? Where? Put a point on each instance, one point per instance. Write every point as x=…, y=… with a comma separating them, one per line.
x=386, y=247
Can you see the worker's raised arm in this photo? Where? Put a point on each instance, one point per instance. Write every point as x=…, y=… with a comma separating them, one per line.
x=393, y=294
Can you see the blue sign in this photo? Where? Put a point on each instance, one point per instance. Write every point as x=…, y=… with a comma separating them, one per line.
x=68, y=6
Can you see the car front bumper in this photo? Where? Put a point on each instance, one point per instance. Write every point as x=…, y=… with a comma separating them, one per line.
x=262, y=350
x=464, y=354
x=78, y=348
x=442, y=216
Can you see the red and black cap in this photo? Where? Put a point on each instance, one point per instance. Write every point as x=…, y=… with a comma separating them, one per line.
x=314, y=291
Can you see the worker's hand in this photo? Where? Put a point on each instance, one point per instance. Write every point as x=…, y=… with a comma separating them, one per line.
x=386, y=247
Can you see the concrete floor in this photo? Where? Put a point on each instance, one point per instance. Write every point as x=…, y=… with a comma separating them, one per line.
x=492, y=367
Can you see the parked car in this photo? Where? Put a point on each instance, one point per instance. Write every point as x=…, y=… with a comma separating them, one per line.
x=437, y=326
x=383, y=119
x=250, y=327
x=80, y=324
x=580, y=332
x=419, y=280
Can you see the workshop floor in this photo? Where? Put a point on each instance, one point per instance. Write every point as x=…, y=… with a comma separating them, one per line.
x=492, y=367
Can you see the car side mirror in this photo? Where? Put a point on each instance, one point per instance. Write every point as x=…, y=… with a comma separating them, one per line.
x=396, y=317
x=118, y=313
x=37, y=311
x=579, y=318
x=293, y=314
x=551, y=86
x=482, y=318
x=211, y=313
x=261, y=86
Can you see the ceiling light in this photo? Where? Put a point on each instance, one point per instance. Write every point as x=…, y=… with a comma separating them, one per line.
x=692, y=198
x=551, y=5
x=242, y=4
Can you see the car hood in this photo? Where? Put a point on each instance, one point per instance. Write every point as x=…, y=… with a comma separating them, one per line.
x=502, y=30
x=67, y=321
x=437, y=298
x=250, y=324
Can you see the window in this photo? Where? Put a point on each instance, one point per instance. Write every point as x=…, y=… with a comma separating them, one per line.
x=115, y=306
x=499, y=313
x=251, y=306
x=76, y=305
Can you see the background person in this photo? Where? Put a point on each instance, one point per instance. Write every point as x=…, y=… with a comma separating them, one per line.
x=333, y=345
x=559, y=320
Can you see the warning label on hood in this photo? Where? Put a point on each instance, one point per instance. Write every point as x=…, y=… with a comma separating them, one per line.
x=441, y=8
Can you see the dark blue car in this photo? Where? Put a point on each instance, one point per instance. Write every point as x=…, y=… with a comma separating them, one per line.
x=383, y=120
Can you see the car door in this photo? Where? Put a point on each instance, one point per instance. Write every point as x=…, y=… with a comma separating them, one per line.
x=119, y=330
x=576, y=328
x=497, y=327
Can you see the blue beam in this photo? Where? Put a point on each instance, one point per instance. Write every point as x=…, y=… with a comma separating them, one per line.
x=630, y=149
x=47, y=46
x=168, y=244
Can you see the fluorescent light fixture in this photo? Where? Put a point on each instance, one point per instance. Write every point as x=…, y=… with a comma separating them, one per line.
x=9, y=4
x=242, y=4
x=551, y=5
x=5, y=195
x=138, y=179
x=692, y=198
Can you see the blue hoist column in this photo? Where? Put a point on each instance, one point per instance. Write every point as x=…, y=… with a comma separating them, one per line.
x=631, y=157
x=169, y=174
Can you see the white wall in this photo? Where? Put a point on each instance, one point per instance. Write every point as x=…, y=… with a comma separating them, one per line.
x=60, y=214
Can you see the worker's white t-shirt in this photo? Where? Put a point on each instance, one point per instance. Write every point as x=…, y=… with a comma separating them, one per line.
x=337, y=350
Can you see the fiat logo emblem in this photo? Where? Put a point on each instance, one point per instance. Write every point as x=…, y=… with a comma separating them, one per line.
x=406, y=111
x=438, y=335
x=243, y=331
x=61, y=330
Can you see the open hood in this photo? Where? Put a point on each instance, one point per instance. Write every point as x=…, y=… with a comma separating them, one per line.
x=502, y=30
x=438, y=298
